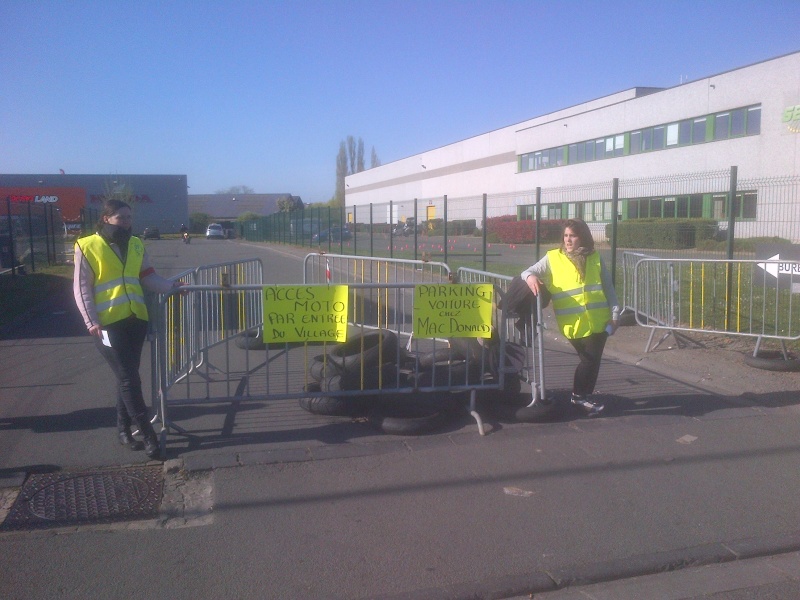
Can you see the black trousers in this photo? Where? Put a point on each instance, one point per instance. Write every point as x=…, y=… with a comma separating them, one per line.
x=124, y=356
x=590, y=351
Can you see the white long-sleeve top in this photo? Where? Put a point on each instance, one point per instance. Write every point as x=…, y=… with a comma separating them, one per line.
x=83, y=284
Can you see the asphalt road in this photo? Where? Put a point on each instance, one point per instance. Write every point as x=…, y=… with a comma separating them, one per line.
x=673, y=475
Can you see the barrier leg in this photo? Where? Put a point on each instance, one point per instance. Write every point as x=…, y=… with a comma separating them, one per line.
x=473, y=411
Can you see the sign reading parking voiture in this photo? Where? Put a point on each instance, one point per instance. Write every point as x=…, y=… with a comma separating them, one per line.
x=782, y=269
x=305, y=313
x=453, y=310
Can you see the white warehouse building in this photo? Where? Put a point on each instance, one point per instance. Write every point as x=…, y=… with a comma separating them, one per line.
x=671, y=151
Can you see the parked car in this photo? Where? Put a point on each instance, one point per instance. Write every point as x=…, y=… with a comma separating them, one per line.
x=335, y=234
x=215, y=231
x=151, y=233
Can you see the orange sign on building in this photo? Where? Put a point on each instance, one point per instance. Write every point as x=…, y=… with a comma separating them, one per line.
x=69, y=200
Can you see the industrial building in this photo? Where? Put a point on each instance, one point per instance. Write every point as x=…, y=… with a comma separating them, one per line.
x=693, y=132
x=157, y=200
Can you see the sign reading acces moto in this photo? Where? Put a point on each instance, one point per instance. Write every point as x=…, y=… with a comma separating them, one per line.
x=305, y=313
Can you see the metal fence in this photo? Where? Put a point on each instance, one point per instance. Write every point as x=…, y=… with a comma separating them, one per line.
x=521, y=330
x=31, y=236
x=753, y=298
x=712, y=214
x=209, y=346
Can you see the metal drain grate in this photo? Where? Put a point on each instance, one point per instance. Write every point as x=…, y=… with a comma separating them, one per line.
x=68, y=499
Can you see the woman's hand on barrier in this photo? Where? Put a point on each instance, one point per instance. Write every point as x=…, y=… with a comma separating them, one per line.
x=177, y=284
x=533, y=283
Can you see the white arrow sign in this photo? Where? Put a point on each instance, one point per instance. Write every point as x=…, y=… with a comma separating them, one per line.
x=776, y=268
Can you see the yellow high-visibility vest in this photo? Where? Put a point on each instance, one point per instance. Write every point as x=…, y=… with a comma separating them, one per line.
x=118, y=293
x=581, y=308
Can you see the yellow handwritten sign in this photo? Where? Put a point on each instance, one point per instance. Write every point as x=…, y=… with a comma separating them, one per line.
x=453, y=310
x=305, y=313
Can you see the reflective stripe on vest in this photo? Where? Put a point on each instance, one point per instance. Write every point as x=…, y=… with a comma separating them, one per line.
x=118, y=293
x=581, y=308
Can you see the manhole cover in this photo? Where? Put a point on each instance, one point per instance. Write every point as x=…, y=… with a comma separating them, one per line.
x=64, y=499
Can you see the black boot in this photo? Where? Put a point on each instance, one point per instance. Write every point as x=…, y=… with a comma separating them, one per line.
x=126, y=439
x=152, y=448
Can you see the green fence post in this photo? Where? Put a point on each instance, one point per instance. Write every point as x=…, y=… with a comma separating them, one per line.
x=731, y=224
x=445, y=229
x=614, y=212
x=538, y=222
x=484, y=232
x=416, y=228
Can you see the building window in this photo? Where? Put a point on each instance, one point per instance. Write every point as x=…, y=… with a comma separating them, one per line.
x=722, y=123
x=658, y=137
x=719, y=126
x=737, y=122
x=669, y=207
x=754, y=120
x=589, y=151
x=699, y=131
x=685, y=133
x=744, y=206
x=647, y=140
x=636, y=142
x=599, y=149
x=672, y=134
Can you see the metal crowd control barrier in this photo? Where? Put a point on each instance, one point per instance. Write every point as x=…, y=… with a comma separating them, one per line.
x=342, y=268
x=527, y=337
x=628, y=268
x=183, y=327
x=756, y=298
x=241, y=368
x=347, y=269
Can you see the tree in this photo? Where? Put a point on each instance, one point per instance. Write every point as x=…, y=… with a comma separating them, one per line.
x=290, y=203
x=374, y=161
x=248, y=216
x=360, y=156
x=350, y=160
x=237, y=189
x=341, y=173
x=351, y=152
x=116, y=190
x=198, y=222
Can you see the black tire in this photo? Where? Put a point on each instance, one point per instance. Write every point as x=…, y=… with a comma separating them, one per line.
x=377, y=345
x=248, y=342
x=320, y=369
x=331, y=406
x=404, y=414
x=448, y=373
x=386, y=376
x=772, y=360
x=468, y=348
x=439, y=355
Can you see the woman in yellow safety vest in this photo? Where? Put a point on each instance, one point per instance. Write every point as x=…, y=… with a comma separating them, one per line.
x=111, y=268
x=584, y=302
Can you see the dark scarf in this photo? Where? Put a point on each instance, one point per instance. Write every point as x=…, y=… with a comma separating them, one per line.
x=119, y=235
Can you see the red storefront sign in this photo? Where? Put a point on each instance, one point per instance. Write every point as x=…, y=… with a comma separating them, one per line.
x=69, y=200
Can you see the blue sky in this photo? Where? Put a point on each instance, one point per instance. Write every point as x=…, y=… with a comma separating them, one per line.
x=261, y=93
